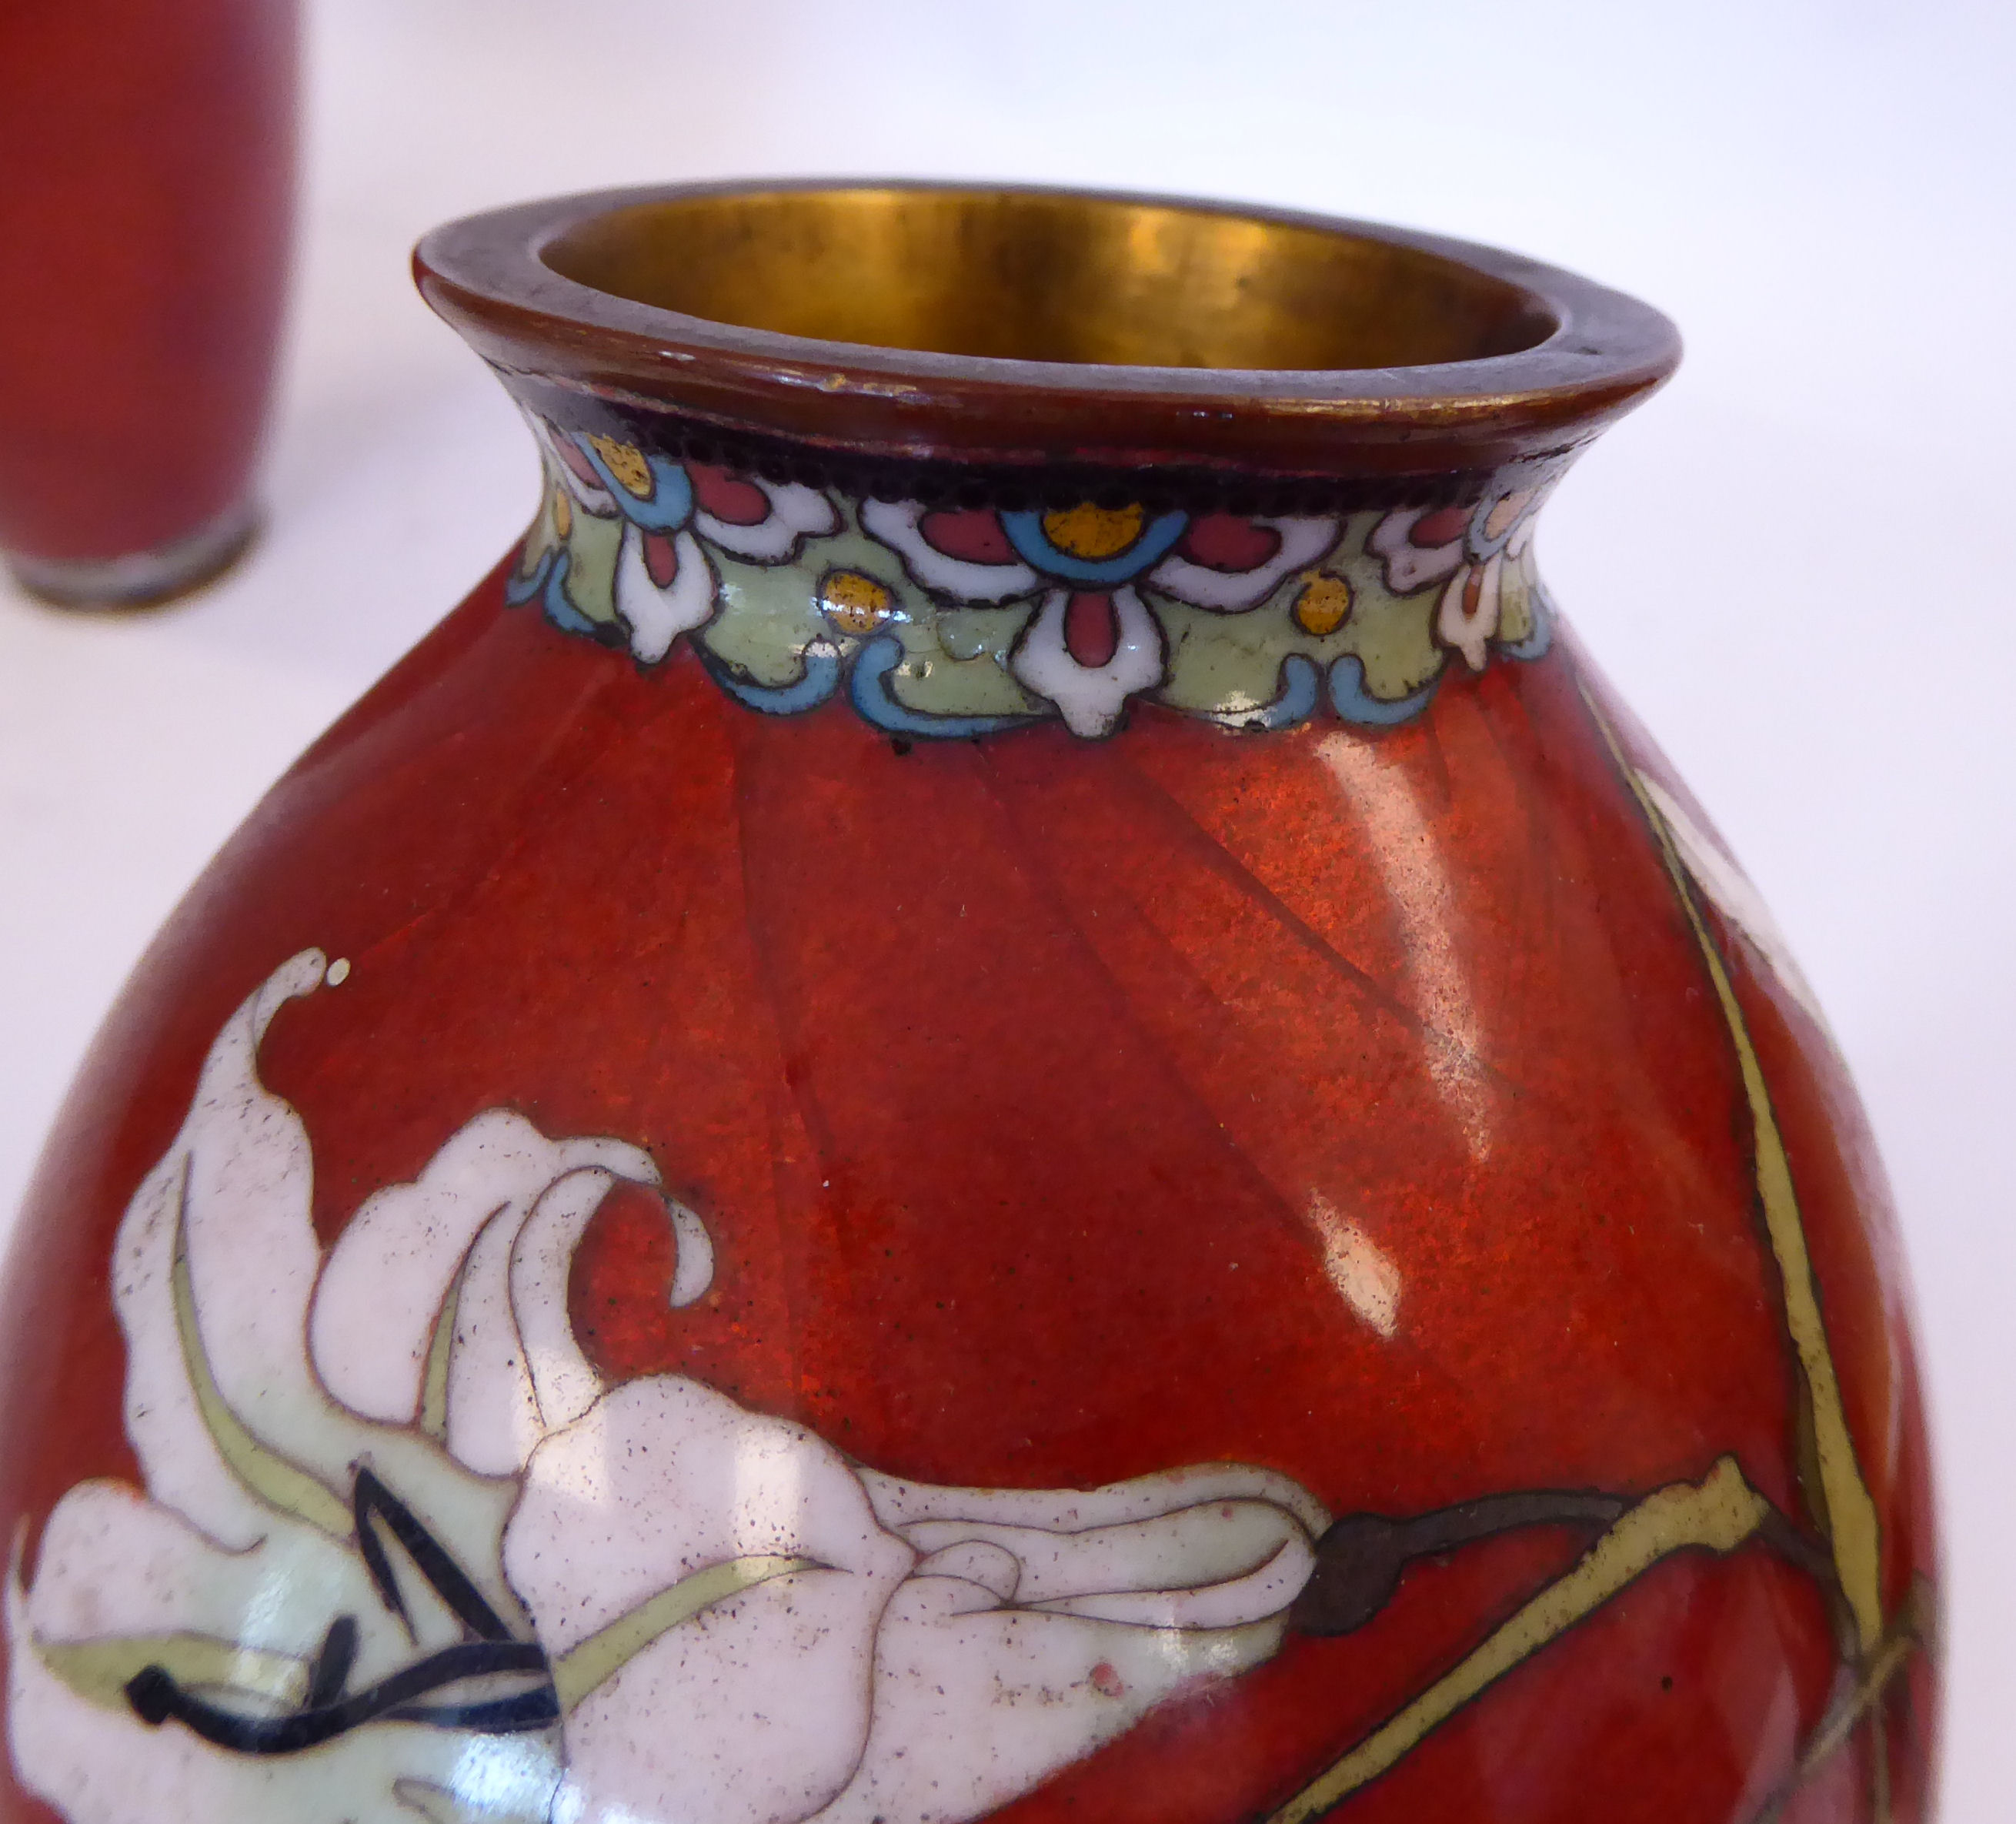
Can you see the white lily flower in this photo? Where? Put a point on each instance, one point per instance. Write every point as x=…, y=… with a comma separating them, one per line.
x=403, y=1554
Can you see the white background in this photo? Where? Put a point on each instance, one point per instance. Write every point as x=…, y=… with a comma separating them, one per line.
x=1796, y=562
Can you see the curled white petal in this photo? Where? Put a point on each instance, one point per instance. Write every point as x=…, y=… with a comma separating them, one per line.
x=850, y=1646
x=231, y=1199
x=516, y=1373
x=985, y=1562
x=902, y=1505
x=1043, y=1623
x=387, y=1277
x=961, y=1644
x=1217, y=1564
x=483, y=1242
x=564, y=1382
x=693, y=1271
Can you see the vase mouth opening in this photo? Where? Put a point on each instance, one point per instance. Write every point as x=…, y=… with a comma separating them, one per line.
x=1051, y=278
x=1019, y=327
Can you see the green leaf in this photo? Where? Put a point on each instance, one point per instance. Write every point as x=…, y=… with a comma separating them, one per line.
x=592, y=1662
x=281, y=1484
x=434, y=1398
x=98, y=1671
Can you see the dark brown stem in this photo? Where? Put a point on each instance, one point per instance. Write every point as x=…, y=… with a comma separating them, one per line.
x=1361, y=1557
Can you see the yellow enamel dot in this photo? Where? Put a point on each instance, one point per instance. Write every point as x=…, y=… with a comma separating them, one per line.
x=1324, y=605
x=854, y=603
x=625, y=461
x=563, y=513
x=1093, y=533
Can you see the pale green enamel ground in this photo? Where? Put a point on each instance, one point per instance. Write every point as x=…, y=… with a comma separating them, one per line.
x=545, y=533
x=767, y=614
x=591, y=577
x=1220, y=663
x=933, y=684
x=1226, y=664
x=1515, y=600
x=957, y=659
x=1392, y=637
x=953, y=663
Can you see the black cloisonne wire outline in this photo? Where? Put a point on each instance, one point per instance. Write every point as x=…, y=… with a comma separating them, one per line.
x=157, y=1698
x=326, y=1713
x=370, y=1497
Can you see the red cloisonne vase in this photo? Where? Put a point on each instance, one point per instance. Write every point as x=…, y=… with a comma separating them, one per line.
x=145, y=229
x=1000, y=1092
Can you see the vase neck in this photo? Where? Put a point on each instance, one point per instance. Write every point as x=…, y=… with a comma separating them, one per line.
x=949, y=604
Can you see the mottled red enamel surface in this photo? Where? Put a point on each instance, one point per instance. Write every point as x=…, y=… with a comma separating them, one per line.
x=149, y=151
x=1004, y=1074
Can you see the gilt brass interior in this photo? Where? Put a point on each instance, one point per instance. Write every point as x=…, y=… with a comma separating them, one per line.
x=1032, y=276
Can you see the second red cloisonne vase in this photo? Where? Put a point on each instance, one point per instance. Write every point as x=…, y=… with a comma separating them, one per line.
x=148, y=153
x=999, y=1092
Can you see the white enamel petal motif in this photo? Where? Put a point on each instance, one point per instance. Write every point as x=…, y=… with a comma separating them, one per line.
x=1090, y=697
x=1303, y=541
x=1467, y=615
x=657, y=612
x=796, y=512
x=1409, y=566
x=898, y=524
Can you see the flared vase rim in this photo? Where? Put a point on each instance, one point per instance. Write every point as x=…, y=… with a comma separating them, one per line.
x=1587, y=353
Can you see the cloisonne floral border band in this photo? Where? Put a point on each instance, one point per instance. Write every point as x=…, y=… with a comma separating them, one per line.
x=942, y=607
